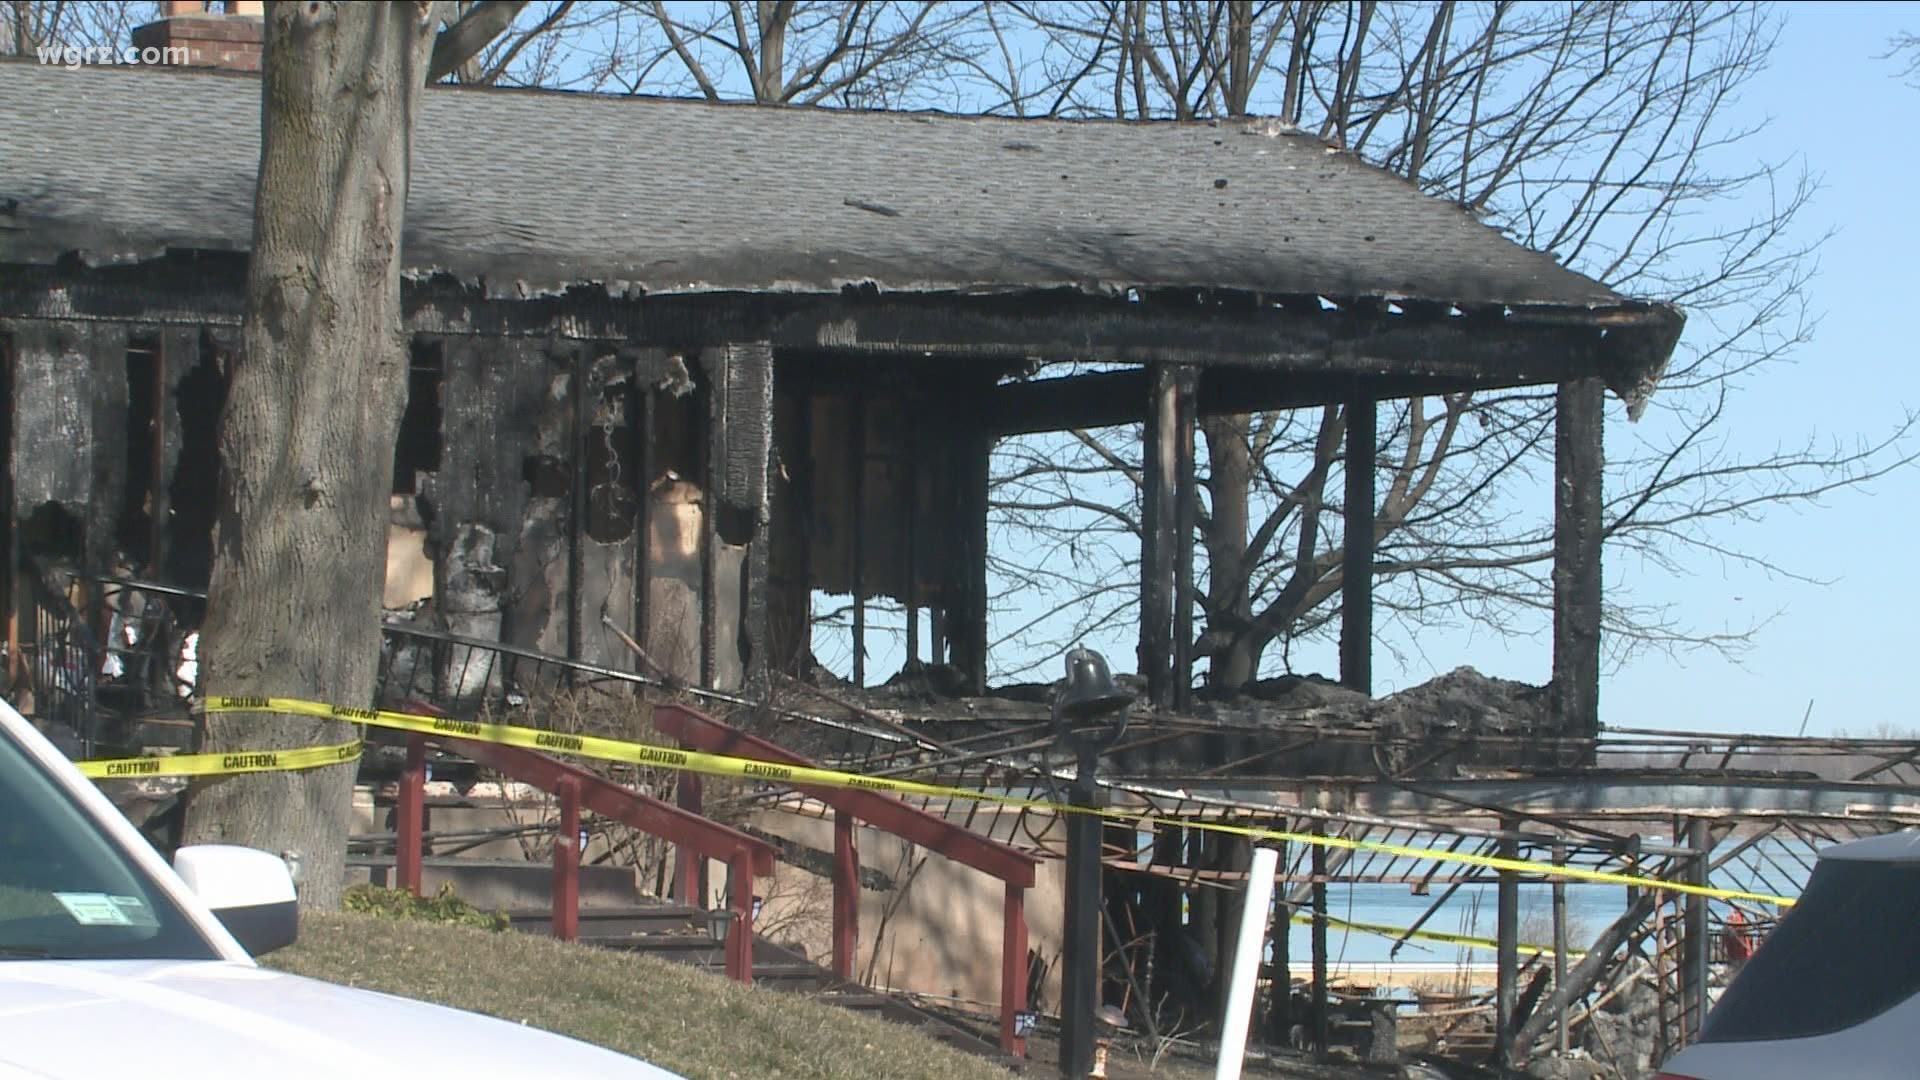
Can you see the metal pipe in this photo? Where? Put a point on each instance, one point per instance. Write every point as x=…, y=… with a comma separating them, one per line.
x=1560, y=946
x=1080, y=954
x=1246, y=963
x=1508, y=967
x=1320, y=1018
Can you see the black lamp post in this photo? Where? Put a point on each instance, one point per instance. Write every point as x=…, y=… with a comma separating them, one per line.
x=1089, y=715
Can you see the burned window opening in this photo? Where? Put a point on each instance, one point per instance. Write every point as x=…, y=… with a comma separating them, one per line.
x=417, y=448
x=199, y=397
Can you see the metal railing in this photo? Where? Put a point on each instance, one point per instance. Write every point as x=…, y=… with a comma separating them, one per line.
x=61, y=655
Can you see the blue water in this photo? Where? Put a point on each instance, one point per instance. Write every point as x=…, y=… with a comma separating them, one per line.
x=1470, y=910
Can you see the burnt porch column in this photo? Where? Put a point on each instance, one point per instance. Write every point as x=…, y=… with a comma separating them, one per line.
x=1167, y=488
x=1577, y=533
x=1356, y=573
x=739, y=443
x=966, y=611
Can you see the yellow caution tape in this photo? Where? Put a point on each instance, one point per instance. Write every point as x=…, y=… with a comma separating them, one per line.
x=247, y=761
x=1441, y=937
x=604, y=749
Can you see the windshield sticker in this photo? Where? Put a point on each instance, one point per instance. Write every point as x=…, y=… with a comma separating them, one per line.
x=93, y=909
x=136, y=910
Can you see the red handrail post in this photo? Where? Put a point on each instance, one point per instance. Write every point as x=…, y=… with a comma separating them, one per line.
x=408, y=817
x=846, y=894
x=1013, y=971
x=688, y=863
x=566, y=863
x=740, y=933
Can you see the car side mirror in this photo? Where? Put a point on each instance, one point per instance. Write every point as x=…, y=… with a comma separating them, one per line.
x=250, y=891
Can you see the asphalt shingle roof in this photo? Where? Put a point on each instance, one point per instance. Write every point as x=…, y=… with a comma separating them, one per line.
x=541, y=190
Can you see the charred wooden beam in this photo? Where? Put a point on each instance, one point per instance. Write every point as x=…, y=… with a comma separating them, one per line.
x=581, y=395
x=857, y=465
x=1578, y=531
x=739, y=445
x=1169, y=400
x=1356, y=580
x=966, y=611
x=1489, y=345
x=1108, y=398
x=1186, y=522
x=645, y=436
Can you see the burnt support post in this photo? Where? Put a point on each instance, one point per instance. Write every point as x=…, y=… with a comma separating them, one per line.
x=1578, y=529
x=1321, y=1028
x=1167, y=458
x=910, y=590
x=644, y=443
x=966, y=613
x=582, y=402
x=1280, y=987
x=1186, y=486
x=1356, y=573
x=857, y=454
x=739, y=446
x=1698, y=835
x=1507, y=934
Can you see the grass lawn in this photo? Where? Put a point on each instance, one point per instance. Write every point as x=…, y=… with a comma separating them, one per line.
x=674, y=1016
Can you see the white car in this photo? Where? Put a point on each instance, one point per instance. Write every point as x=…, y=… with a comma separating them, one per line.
x=114, y=964
x=1834, y=991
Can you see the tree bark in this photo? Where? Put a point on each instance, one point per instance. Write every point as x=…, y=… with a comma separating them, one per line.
x=1229, y=603
x=313, y=408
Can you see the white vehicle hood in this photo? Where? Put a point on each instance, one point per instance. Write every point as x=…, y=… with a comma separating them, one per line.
x=209, y=1020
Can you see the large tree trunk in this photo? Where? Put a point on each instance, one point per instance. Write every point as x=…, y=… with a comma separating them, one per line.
x=1234, y=658
x=307, y=438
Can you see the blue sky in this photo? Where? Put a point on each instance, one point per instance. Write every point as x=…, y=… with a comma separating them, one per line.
x=1846, y=644
x=1831, y=103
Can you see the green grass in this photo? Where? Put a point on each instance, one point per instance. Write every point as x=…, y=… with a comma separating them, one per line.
x=677, y=1017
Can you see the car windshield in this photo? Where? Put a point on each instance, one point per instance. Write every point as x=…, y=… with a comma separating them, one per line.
x=66, y=890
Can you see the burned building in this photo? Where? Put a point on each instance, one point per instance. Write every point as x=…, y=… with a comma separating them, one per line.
x=679, y=366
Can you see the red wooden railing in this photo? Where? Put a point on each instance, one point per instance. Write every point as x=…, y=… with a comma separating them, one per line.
x=1013, y=867
x=747, y=857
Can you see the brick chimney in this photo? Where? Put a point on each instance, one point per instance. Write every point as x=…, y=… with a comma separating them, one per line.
x=229, y=38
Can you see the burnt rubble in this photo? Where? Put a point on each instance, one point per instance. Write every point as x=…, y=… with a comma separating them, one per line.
x=1292, y=725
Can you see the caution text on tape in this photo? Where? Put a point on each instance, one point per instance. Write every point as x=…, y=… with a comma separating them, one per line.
x=722, y=765
x=251, y=761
